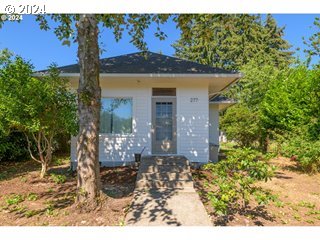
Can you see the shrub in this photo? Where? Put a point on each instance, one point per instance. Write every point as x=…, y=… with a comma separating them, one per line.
x=13, y=146
x=234, y=178
x=305, y=152
x=241, y=125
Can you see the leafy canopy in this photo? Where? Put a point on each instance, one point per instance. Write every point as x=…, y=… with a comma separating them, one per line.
x=230, y=41
x=32, y=104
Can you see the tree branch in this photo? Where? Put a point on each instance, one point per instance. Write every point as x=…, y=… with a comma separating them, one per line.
x=29, y=149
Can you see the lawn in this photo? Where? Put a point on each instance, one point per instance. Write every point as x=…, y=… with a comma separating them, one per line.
x=297, y=204
x=26, y=200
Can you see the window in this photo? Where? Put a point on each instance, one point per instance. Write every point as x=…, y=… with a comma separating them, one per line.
x=116, y=115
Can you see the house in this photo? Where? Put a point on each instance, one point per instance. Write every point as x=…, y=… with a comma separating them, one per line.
x=159, y=105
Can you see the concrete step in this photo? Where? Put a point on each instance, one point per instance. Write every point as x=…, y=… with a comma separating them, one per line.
x=165, y=160
x=164, y=168
x=154, y=184
x=165, y=176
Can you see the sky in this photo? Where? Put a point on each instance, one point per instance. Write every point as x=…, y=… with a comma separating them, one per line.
x=43, y=48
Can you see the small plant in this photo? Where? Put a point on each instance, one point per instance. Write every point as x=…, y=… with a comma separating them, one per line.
x=310, y=221
x=279, y=204
x=297, y=217
x=313, y=212
x=50, y=210
x=121, y=223
x=18, y=208
x=14, y=199
x=23, y=179
x=57, y=161
x=306, y=204
x=234, y=178
x=30, y=213
x=58, y=179
x=32, y=197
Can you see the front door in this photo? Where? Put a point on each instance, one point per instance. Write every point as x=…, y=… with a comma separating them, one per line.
x=164, y=125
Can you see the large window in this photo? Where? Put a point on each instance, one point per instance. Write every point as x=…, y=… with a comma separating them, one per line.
x=116, y=115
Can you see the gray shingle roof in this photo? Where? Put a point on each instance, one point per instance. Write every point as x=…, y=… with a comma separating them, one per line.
x=153, y=63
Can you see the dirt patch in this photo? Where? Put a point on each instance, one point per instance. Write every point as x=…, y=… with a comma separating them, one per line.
x=27, y=200
x=298, y=201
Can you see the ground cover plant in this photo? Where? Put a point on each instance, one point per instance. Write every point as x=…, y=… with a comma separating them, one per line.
x=275, y=203
x=232, y=185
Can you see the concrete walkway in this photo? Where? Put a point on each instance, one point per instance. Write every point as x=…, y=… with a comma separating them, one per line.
x=164, y=195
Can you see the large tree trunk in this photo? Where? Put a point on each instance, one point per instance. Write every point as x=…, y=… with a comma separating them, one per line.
x=89, y=95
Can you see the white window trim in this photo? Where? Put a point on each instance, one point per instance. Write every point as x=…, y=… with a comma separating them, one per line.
x=115, y=135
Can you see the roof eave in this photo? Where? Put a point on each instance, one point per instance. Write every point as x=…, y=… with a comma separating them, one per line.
x=154, y=75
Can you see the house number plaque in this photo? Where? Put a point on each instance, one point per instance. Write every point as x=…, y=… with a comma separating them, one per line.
x=194, y=100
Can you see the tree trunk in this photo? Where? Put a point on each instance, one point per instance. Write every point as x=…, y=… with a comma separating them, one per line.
x=89, y=96
x=266, y=143
x=44, y=169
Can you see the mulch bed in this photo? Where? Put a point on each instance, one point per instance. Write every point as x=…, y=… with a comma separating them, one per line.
x=45, y=202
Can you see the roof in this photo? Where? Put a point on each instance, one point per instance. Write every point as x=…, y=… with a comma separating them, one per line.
x=222, y=102
x=147, y=63
x=222, y=99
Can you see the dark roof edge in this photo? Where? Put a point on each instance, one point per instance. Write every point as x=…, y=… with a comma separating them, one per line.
x=204, y=75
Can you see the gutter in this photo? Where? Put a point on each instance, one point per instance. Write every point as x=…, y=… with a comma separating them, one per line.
x=212, y=95
x=154, y=75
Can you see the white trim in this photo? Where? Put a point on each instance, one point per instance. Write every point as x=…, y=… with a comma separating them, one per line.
x=153, y=75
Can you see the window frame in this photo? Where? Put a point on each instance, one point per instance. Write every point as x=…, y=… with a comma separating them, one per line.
x=118, y=134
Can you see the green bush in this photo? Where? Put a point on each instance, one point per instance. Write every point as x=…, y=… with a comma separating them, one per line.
x=305, y=152
x=13, y=146
x=241, y=125
x=233, y=181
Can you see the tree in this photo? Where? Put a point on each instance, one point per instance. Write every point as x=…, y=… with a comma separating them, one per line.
x=40, y=108
x=231, y=41
x=313, y=42
x=244, y=43
x=241, y=125
x=292, y=101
